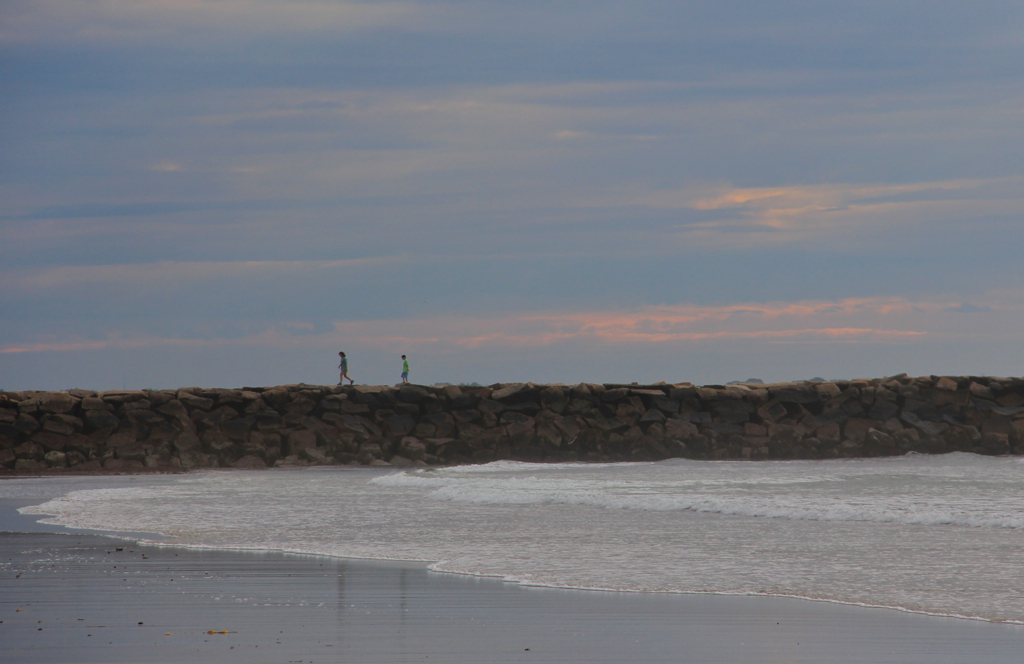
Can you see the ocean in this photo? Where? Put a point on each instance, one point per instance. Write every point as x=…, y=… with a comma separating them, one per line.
x=941, y=535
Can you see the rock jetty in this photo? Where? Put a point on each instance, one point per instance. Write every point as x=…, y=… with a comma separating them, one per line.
x=412, y=425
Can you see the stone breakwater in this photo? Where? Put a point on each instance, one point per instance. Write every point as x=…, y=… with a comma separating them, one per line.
x=411, y=425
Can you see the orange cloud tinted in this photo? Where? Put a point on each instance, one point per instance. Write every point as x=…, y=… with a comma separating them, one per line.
x=864, y=320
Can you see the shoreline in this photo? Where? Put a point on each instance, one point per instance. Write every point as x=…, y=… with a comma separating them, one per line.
x=305, y=607
x=9, y=516
x=276, y=605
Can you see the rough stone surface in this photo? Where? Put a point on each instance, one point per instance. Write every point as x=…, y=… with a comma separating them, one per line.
x=412, y=425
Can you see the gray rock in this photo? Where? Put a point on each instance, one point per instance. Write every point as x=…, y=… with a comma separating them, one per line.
x=411, y=448
x=614, y=395
x=268, y=420
x=101, y=419
x=292, y=461
x=733, y=411
x=652, y=415
x=192, y=401
x=26, y=424
x=55, y=459
x=122, y=396
x=980, y=391
x=490, y=406
x=238, y=429
x=513, y=417
x=680, y=429
x=50, y=440
x=143, y=418
x=827, y=390
x=187, y=441
x=277, y=397
x=883, y=410
x=665, y=405
x=568, y=426
x=547, y=433
x=520, y=431
x=333, y=402
x=122, y=464
x=60, y=426
x=398, y=425
x=300, y=405
x=175, y=410
x=29, y=405
x=795, y=394
x=369, y=452
x=57, y=402
x=402, y=462
x=510, y=390
x=301, y=440
x=315, y=455
x=412, y=394
x=772, y=411
x=95, y=403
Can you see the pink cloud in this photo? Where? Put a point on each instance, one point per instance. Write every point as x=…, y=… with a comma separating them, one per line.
x=857, y=320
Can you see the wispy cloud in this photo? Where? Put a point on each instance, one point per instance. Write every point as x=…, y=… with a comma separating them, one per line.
x=882, y=320
x=92, y=21
x=657, y=325
x=801, y=210
x=172, y=274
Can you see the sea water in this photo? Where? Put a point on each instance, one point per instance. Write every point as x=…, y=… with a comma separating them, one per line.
x=933, y=534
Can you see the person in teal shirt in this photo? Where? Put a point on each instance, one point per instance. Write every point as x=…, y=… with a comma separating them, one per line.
x=343, y=366
x=405, y=370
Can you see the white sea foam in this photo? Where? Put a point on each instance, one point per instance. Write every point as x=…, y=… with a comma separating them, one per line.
x=859, y=494
x=936, y=534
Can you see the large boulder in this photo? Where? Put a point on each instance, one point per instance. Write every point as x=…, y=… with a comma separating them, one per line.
x=187, y=441
x=50, y=440
x=510, y=390
x=444, y=424
x=26, y=424
x=64, y=425
x=55, y=459
x=101, y=419
x=801, y=394
x=178, y=414
x=412, y=394
x=568, y=426
x=731, y=410
x=368, y=452
x=397, y=425
x=57, y=402
x=316, y=455
x=192, y=401
x=238, y=429
x=411, y=448
x=301, y=440
x=680, y=429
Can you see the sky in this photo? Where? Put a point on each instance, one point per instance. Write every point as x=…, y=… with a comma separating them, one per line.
x=226, y=193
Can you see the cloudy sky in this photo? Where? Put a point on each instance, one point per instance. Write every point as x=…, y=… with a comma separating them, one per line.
x=229, y=192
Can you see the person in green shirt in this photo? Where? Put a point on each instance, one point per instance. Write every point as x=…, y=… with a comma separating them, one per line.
x=343, y=366
x=405, y=370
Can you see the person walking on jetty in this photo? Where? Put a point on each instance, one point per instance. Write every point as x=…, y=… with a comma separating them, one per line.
x=343, y=366
x=405, y=370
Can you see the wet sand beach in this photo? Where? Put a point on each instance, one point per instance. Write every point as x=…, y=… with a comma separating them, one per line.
x=88, y=598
